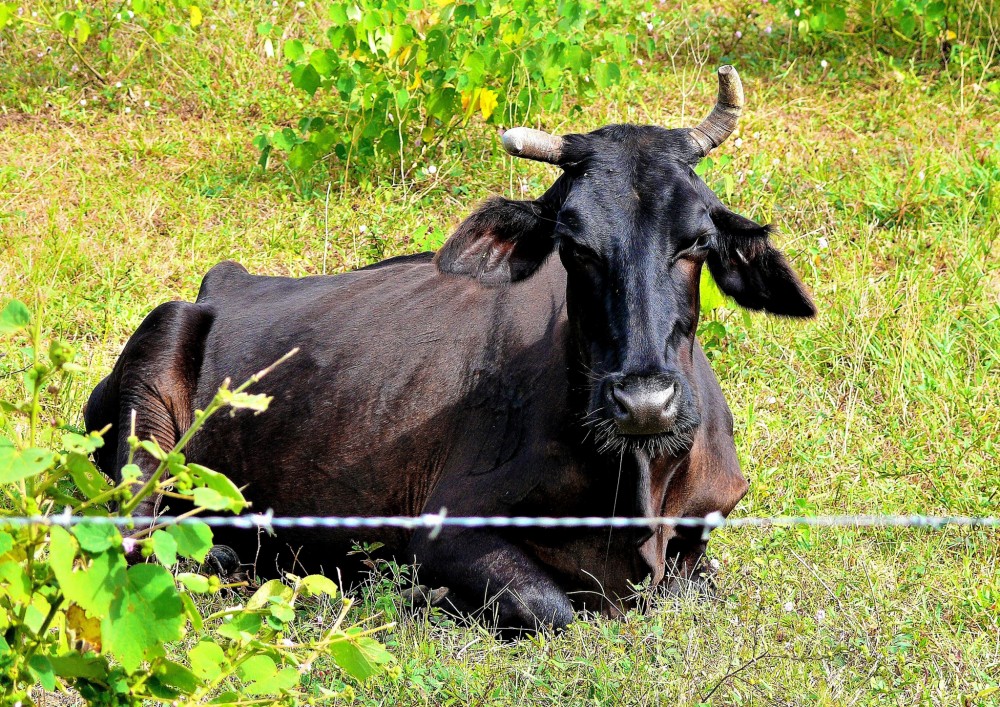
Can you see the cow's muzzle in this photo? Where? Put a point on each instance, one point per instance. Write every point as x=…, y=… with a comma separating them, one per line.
x=644, y=405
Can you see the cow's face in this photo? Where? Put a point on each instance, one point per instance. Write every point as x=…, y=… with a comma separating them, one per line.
x=633, y=225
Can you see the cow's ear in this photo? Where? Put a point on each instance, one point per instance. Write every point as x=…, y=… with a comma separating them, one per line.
x=504, y=241
x=753, y=272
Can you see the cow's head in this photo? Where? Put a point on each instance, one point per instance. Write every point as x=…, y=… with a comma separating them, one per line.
x=633, y=224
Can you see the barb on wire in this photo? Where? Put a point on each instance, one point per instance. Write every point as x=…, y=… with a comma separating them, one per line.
x=435, y=521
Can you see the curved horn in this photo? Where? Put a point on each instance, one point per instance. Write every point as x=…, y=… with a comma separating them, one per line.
x=533, y=145
x=721, y=122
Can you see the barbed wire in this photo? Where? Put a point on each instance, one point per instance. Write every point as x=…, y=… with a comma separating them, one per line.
x=436, y=521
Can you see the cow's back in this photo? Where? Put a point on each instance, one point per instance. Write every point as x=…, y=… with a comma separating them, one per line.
x=403, y=377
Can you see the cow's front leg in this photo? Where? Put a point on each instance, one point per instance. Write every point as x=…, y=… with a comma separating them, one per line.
x=489, y=576
x=710, y=483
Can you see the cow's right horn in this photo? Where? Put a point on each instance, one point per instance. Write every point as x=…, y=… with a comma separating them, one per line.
x=721, y=122
x=533, y=145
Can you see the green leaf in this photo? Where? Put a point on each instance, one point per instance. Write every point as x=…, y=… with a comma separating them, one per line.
x=286, y=139
x=197, y=623
x=241, y=627
x=164, y=547
x=15, y=582
x=177, y=676
x=606, y=74
x=146, y=613
x=935, y=11
x=17, y=464
x=306, y=78
x=443, y=104
x=372, y=20
x=262, y=141
x=207, y=660
x=96, y=537
x=302, y=158
x=325, y=138
x=154, y=449
x=272, y=589
x=282, y=612
x=82, y=444
x=316, y=584
x=293, y=49
x=475, y=67
x=41, y=668
x=226, y=698
x=74, y=665
x=64, y=21
x=6, y=543
x=209, y=499
x=324, y=61
x=15, y=316
x=194, y=582
x=837, y=17
x=131, y=472
x=92, y=587
x=194, y=539
x=360, y=656
x=156, y=688
x=907, y=23
x=337, y=14
x=265, y=156
x=247, y=401
x=82, y=28
x=262, y=676
x=86, y=476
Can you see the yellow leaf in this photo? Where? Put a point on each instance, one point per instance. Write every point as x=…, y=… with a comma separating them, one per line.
x=487, y=102
x=467, y=98
x=950, y=36
x=84, y=630
x=195, y=15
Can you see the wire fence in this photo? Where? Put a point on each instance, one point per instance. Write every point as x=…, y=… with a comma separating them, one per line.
x=437, y=521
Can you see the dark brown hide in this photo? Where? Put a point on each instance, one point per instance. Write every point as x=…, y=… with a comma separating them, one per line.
x=459, y=404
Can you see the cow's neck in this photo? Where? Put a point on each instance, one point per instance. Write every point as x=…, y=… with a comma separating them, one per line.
x=648, y=476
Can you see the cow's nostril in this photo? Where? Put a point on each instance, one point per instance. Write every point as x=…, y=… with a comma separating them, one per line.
x=621, y=402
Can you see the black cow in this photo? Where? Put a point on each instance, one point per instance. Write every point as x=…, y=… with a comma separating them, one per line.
x=489, y=379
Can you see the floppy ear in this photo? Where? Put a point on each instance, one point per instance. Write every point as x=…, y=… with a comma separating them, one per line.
x=504, y=241
x=749, y=269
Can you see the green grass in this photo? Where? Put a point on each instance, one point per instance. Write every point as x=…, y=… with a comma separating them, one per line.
x=885, y=184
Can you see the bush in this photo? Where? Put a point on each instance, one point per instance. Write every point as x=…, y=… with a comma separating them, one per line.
x=391, y=79
x=74, y=614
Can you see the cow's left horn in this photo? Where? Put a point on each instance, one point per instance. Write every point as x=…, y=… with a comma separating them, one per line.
x=533, y=145
x=721, y=122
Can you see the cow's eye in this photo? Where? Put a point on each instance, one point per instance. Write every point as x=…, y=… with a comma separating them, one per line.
x=702, y=242
x=696, y=248
x=583, y=255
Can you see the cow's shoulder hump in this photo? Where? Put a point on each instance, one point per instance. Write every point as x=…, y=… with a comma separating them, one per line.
x=221, y=278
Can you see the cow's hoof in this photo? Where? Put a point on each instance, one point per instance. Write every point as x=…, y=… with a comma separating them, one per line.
x=419, y=596
x=222, y=560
